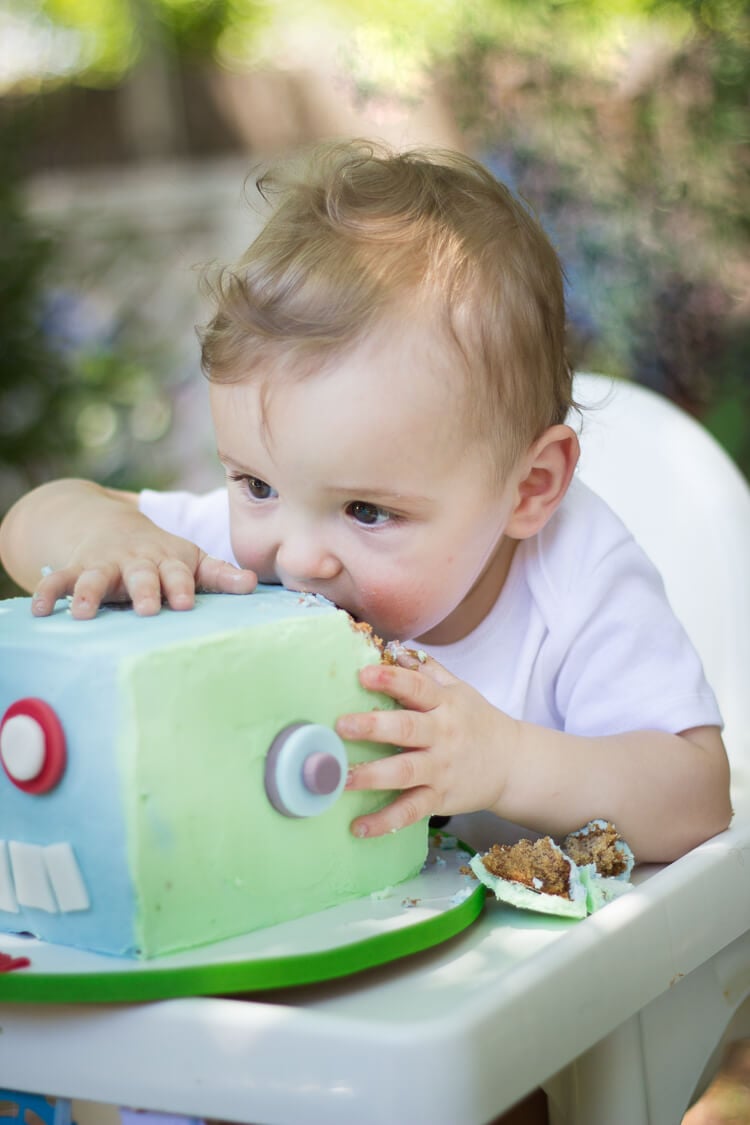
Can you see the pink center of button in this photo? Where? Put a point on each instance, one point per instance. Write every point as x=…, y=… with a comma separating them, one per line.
x=321, y=773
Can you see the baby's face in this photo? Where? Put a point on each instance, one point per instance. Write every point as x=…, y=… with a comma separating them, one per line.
x=366, y=487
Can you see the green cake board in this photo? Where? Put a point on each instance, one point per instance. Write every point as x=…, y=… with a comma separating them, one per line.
x=428, y=909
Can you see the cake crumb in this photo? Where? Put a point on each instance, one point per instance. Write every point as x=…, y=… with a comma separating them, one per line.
x=538, y=865
x=397, y=653
x=367, y=631
x=597, y=844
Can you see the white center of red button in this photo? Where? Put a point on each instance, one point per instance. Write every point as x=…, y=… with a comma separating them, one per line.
x=22, y=747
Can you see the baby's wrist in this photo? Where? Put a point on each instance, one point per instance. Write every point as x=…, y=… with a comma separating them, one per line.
x=502, y=758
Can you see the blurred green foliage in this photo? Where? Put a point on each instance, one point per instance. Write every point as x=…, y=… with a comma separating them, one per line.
x=114, y=34
x=35, y=380
x=73, y=402
x=623, y=122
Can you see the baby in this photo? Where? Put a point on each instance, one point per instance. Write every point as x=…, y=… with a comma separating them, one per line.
x=389, y=389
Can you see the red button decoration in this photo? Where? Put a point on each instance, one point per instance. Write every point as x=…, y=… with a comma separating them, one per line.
x=9, y=963
x=53, y=764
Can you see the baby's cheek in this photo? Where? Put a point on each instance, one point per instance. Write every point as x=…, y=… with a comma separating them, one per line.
x=397, y=610
x=251, y=557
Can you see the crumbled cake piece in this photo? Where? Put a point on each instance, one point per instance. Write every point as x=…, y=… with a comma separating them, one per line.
x=368, y=631
x=536, y=864
x=397, y=653
x=601, y=844
x=590, y=869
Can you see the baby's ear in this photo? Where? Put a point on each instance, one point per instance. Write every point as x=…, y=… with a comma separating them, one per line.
x=546, y=472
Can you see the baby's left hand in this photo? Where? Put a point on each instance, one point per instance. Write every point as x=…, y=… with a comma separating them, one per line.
x=455, y=746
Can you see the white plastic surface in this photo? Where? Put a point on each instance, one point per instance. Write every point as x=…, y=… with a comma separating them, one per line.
x=617, y=1014
x=689, y=507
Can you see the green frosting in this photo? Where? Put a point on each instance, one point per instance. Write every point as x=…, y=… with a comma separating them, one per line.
x=209, y=855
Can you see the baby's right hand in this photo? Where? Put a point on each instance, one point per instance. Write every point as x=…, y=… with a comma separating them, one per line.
x=134, y=560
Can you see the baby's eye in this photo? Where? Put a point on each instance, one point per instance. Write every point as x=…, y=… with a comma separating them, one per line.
x=368, y=514
x=256, y=488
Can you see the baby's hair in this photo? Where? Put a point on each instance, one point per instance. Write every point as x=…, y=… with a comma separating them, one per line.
x=359, y=234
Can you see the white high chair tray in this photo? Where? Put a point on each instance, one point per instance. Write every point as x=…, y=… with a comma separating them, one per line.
x=451, y=1036
x=425, y=910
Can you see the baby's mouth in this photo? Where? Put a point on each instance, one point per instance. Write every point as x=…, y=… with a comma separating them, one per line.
x=306, y=593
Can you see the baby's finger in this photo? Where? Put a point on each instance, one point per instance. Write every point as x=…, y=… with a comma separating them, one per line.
x=54, y=585
x=177, y=584
x=399, y=728
x=216, y=576
x=142, y=581
x=417, y=660
x=432, y=668
x=92, y=587
x=398, y=771
x=408, y=808
x=409, y=688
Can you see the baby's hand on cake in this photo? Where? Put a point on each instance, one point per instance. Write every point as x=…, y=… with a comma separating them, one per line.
x=455, y=746
x=138, y=563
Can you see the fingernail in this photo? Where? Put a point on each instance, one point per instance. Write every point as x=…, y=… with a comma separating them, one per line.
x=360, y=831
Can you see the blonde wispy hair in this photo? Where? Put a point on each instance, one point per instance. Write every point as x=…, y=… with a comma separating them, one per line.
x=358, y=233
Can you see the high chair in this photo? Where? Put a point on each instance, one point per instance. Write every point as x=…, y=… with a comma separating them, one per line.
x=620, y=1017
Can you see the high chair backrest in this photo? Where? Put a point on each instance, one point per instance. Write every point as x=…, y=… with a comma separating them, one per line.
x=689, y=507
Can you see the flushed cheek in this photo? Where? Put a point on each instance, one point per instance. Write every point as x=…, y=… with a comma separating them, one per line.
x=398, y=612
x=251, y=555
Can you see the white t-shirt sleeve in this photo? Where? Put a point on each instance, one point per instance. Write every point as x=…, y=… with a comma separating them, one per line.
x=619, y=658
x=202, y=519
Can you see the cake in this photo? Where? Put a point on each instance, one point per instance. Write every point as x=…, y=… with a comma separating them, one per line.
x=591, y=867
x=175, y=780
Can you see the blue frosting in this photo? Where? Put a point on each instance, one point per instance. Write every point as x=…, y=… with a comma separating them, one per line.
x=69, y=664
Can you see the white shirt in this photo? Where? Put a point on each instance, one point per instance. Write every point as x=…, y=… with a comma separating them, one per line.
x=582, y=638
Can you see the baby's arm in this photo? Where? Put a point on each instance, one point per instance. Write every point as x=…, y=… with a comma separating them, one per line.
x=664, y=792
x=99, y=547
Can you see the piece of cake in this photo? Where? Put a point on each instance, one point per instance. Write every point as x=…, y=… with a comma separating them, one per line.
x=175, y=780
x=532, y=876
x=589, y=869
x=604, y=861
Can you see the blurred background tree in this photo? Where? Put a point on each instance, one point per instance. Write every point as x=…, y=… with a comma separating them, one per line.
x=127, y=127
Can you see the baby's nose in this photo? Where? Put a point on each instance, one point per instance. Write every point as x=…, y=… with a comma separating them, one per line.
x=304, y=558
